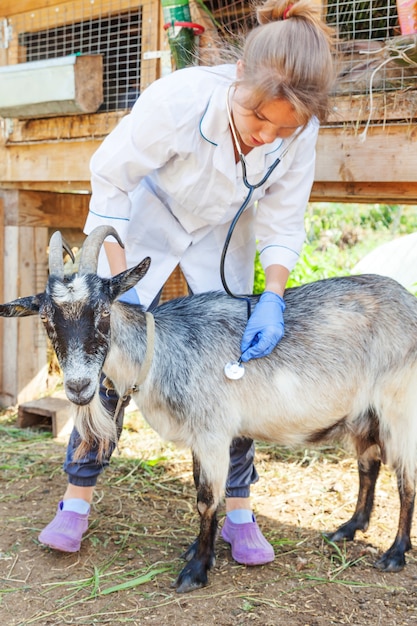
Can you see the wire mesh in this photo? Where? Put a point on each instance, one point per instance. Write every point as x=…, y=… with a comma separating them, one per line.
x=373, y=55
x=116, y=36
x=374, y=19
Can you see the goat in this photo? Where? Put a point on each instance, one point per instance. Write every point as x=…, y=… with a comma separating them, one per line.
x=346, y=369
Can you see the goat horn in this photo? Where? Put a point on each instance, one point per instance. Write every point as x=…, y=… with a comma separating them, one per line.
x=91, y=248
x=56, y=262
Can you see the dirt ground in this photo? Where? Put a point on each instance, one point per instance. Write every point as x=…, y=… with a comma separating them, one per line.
x=144, y=517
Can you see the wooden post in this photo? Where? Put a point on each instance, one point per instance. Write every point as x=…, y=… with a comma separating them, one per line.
x=2, y=256
x=25, y=222
x=24, y=354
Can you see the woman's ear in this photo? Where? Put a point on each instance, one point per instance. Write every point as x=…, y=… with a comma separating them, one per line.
x=239, y=70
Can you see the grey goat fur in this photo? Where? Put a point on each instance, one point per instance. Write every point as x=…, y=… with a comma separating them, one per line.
x=345, y=369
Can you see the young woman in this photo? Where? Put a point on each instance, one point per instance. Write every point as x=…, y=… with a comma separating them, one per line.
x=171, y=178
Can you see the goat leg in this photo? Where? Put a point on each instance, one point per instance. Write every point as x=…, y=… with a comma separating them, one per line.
x=201, y=552
x=193, y=548
x=393, y=560
x=368, y=474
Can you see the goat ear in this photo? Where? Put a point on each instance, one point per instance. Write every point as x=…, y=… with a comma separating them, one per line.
x=127, y=279
x=22, y=307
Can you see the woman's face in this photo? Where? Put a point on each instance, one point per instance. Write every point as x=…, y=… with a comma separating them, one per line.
x=271, y=120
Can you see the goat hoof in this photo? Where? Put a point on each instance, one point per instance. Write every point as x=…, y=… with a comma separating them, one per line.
x=343, y=533
x=191, y=551
x=391, y=562
x=193, y=576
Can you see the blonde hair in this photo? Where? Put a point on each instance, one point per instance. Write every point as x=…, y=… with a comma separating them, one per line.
x=289, y=56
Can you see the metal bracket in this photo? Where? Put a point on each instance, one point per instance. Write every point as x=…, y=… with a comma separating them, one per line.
x=164, y=55
x=6, y=33
x=156, y=54
x=6, y=127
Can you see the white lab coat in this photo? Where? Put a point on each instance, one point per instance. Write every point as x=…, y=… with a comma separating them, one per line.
x=167, y=180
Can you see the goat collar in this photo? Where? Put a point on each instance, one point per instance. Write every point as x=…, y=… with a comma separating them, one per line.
x=146, y=365
x=150, y=344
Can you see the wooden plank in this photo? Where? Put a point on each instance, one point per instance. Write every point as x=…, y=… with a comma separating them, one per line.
x=3, y=365
x=43, y=14
x=47, y=161
x=323, y=191
x=13, y=7
x=151, y=40
x=25, y=364
x=31, y=354
x=352, y=109
x=96, y=125
x=386, y=154
x=389, y=106
x=8, y=388
x=50, y=186
x=3, y=56
x=385, y=192
x=51, y=210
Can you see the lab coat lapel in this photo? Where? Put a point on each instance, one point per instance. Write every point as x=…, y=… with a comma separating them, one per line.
x=261, y=158
x=214, y=128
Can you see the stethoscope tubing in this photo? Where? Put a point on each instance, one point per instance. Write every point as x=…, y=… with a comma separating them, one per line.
x=251, y=188
x=232, y=226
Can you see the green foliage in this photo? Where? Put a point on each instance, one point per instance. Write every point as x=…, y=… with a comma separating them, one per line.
x=339, y=235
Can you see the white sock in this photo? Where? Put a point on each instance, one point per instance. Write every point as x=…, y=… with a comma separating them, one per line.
x=241, y=516
x=77, y=505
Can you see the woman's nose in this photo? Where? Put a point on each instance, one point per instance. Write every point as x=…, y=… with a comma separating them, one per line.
x=269, y=135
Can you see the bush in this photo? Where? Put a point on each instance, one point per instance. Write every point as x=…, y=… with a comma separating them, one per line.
x=339, y=235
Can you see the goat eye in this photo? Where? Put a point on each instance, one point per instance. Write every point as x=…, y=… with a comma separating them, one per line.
x=44, y=318
x=105, y=313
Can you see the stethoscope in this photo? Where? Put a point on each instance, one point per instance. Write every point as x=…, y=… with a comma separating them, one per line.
x=234, y=369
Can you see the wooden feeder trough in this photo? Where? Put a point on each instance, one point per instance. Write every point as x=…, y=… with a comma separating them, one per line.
x=49, y=413
x=62, y=86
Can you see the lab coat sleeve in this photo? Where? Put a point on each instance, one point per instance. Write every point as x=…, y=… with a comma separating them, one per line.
x=141, y=143
x=280, y=218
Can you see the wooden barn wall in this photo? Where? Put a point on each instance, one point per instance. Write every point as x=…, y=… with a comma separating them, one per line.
x=44, y=184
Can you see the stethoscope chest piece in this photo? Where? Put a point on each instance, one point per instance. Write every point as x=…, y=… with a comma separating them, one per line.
x=234, y=370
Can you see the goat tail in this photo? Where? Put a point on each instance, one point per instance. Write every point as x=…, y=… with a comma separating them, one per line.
x=97, y=430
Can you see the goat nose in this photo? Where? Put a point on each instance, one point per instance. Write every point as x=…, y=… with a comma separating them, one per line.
x=78, y=385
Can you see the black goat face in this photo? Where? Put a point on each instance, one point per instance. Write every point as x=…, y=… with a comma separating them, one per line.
x=75, y=311
x=76, y=317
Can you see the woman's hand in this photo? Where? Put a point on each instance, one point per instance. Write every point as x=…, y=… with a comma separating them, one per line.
x=265, y=327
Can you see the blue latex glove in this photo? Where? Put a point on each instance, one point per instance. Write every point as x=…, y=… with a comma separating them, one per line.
x=130, y=296
x=264, y=328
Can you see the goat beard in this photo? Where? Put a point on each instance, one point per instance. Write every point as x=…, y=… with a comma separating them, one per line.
x=97, y=429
